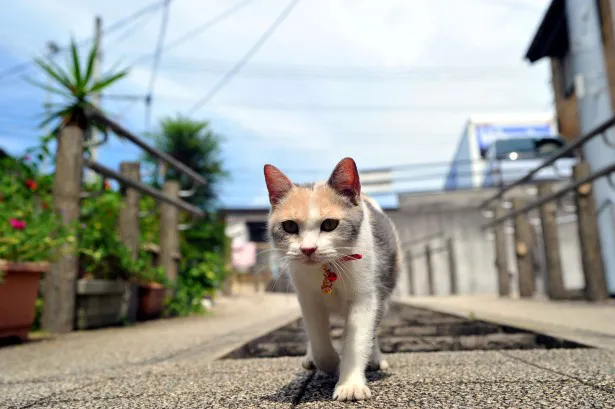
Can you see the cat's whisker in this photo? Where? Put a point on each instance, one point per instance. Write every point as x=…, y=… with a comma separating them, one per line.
x=268, y=251
x=280, y=273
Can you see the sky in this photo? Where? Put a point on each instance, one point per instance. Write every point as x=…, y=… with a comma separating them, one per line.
x=388, y=83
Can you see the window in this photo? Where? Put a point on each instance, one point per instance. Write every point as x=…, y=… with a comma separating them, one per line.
x=567, y=75
x=257, y=231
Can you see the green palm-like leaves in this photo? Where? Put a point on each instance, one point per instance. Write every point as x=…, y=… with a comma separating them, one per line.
x=76, y=85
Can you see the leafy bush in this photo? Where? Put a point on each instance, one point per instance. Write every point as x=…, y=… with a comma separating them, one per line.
x=101, y=253
x=30, y=229
x=202, y=269
x=196, y=281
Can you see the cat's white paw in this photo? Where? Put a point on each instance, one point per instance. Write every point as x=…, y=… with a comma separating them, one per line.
x=351, y=391
x=384, y=365
x=307, y=363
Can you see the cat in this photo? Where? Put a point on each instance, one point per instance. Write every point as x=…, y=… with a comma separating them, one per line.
x=315, y=225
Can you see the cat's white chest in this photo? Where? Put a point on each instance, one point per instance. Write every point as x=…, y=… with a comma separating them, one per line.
x=336, y=302
x=308, y=283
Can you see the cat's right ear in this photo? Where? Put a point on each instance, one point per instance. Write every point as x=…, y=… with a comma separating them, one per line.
x=278, y=184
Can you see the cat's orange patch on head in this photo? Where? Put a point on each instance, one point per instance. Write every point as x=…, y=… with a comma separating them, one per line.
x=302, y=204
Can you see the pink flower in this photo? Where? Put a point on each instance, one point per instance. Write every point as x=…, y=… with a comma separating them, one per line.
x=17, y=224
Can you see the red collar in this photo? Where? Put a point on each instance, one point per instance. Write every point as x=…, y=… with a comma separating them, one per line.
x=331, y=276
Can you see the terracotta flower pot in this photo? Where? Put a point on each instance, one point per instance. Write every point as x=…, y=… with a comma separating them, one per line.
x=151, y=301
x=18, y=292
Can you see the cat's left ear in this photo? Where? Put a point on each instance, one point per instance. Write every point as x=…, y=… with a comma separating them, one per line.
x=345, y=180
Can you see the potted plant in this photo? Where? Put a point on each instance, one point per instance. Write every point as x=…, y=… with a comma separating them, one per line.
x=152, y=286
x=30, y=237
x=104, y=292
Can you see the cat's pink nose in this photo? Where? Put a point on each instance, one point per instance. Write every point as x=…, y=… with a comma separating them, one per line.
x=308, y=251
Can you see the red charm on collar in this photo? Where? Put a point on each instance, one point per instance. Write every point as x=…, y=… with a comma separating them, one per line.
x=330, y=276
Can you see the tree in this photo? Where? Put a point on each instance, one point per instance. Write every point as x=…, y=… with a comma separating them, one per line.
x=76, y=85
x=195, y=145
x=204, y=246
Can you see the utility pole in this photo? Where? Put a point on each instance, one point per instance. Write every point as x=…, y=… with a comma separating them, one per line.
x=94, y=136
x=594, y=102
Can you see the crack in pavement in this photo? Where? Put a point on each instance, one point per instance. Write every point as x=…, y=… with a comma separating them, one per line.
x=556, y=372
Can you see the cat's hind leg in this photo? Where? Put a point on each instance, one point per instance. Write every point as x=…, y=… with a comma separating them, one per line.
x=376, y=362
x=308, y=361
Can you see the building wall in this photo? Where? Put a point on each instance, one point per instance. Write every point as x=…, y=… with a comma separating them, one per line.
x=608, y=40
x=567, y=107
x=456, y=215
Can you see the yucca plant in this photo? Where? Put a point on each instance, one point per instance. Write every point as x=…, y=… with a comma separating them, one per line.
x=76, y=85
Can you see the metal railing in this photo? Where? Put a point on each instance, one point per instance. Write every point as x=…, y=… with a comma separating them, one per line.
x=581, y=186
x=143, y=188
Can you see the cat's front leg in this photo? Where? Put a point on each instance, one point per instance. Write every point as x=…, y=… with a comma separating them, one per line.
x=320, y=349
x=357, y=348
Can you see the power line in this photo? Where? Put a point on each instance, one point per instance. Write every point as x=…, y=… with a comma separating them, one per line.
x=366, y=108
x=466, y=176
x=204, y=27
x=349, y=73
x=21, y=67
x=392, y=168
x=245, y=59
x=140, y=23
x=157, y=56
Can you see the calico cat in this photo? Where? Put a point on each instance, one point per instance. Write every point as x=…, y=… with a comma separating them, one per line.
x=314, y=228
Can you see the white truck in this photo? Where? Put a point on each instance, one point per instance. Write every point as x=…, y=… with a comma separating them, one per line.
x=496, y=150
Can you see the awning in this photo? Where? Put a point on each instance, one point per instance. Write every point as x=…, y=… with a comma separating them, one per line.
x=551, y=39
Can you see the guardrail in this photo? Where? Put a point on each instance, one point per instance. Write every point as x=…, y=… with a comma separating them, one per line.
x=61, y=282
x=581, y=188
x=427, y=253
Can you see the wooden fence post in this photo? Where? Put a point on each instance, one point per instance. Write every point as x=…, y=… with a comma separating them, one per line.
x=593, y=269
x=60, y=284
x=452, y=266
x=130, y=231
x=555, y=282
x=501, y=255
x=524, y=251
x=410, y=272
x=169, y=233
x=429, y=265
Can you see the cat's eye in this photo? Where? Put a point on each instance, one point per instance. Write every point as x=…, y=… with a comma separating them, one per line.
x=290, y=227
x=329, y=225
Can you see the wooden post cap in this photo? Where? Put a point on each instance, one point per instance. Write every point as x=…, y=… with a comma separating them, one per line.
x=584, y=189
x=521, y=249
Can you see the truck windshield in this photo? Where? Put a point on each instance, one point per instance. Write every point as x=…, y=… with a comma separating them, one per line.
x=524, y=147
